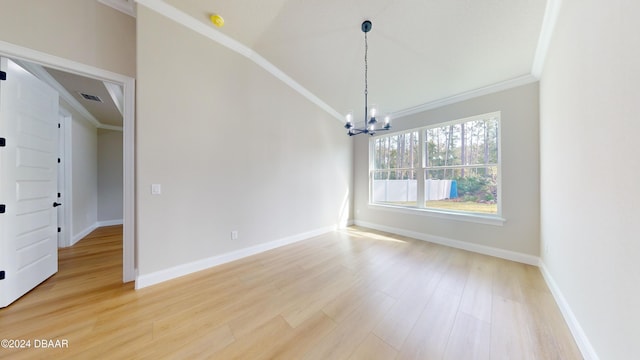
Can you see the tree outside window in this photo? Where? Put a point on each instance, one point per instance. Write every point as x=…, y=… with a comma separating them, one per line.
x=452, y=166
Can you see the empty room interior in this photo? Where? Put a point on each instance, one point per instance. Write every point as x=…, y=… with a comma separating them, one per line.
x=319, y=179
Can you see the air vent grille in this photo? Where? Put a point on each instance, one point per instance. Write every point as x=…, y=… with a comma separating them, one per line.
x=91, y=97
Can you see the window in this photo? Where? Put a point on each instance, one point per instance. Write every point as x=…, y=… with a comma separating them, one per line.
x=450, y=167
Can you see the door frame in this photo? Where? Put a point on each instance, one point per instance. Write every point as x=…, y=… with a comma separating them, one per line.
x=67, y=185
x=128, y=85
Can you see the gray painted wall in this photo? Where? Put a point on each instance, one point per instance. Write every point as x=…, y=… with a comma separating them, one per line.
x=590, y=111
x=233, y=147
x=110, y=181
x=84, y=174
x=520, y=173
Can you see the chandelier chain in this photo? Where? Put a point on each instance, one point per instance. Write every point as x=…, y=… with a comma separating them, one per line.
x=366, y=71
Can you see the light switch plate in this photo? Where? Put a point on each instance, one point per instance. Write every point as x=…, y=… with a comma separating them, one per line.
x=156, y=189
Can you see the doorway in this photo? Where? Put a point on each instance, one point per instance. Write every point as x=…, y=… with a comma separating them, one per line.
x=128, y=88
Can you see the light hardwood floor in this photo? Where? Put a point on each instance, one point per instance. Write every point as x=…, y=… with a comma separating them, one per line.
x=350, y=294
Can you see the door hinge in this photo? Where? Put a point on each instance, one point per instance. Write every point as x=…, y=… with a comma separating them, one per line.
x=3, y=208
x=3, y=142
x=3, y=75
x=59, y=229
x=59, y=161
x=2, y=275
x=58, y=125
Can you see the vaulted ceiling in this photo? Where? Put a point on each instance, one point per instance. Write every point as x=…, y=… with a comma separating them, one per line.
x=421, y=52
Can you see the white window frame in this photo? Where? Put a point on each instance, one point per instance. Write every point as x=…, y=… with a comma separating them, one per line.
x=420, y=209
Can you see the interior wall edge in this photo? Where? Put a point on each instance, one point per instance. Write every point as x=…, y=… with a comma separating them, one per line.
x=578, y=333
x=82, y=234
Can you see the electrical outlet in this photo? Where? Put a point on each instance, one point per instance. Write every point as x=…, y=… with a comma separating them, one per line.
x=234, y=235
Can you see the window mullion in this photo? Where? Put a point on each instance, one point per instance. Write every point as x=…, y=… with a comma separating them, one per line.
x=372, y=148
x=420, y=199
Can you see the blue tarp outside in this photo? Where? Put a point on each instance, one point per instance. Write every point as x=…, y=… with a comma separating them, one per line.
x=454, y=190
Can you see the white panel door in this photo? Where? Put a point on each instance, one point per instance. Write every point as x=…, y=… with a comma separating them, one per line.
x=28, y=182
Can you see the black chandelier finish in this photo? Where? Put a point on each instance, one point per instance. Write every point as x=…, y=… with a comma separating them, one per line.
x=370, y=126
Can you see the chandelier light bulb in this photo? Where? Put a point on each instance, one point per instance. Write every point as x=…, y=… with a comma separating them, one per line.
x=349, y=122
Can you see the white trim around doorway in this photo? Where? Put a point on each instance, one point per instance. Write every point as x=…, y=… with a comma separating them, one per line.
x=67, y=193
x=128, y=85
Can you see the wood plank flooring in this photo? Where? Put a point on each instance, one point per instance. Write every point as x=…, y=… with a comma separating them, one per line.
x=350, y=294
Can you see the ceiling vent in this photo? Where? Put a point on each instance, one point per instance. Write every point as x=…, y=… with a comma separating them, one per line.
x=90, y=97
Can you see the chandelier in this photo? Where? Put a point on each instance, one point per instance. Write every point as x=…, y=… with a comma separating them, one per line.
x=371, y=125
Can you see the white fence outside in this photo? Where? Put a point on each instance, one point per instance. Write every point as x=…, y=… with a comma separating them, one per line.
x=406, y=190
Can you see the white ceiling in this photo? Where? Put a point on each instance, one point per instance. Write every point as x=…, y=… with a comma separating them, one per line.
x=105, y=112
x=420, y=51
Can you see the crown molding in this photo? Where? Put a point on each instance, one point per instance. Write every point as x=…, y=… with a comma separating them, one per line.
x=551, y=13
x=111, y=127
x=126, y=6
x=501, y=86
x=189, y=22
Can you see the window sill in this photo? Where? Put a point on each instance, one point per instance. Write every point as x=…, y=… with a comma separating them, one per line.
x=443, y=214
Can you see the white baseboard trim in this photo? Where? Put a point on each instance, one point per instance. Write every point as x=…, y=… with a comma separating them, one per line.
x=587, y=350
x=157, y=277
x=79, y=236
x=481, y=249
x=110, y=222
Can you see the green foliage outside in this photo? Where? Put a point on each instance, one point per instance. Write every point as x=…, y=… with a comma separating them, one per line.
x=477, y=188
